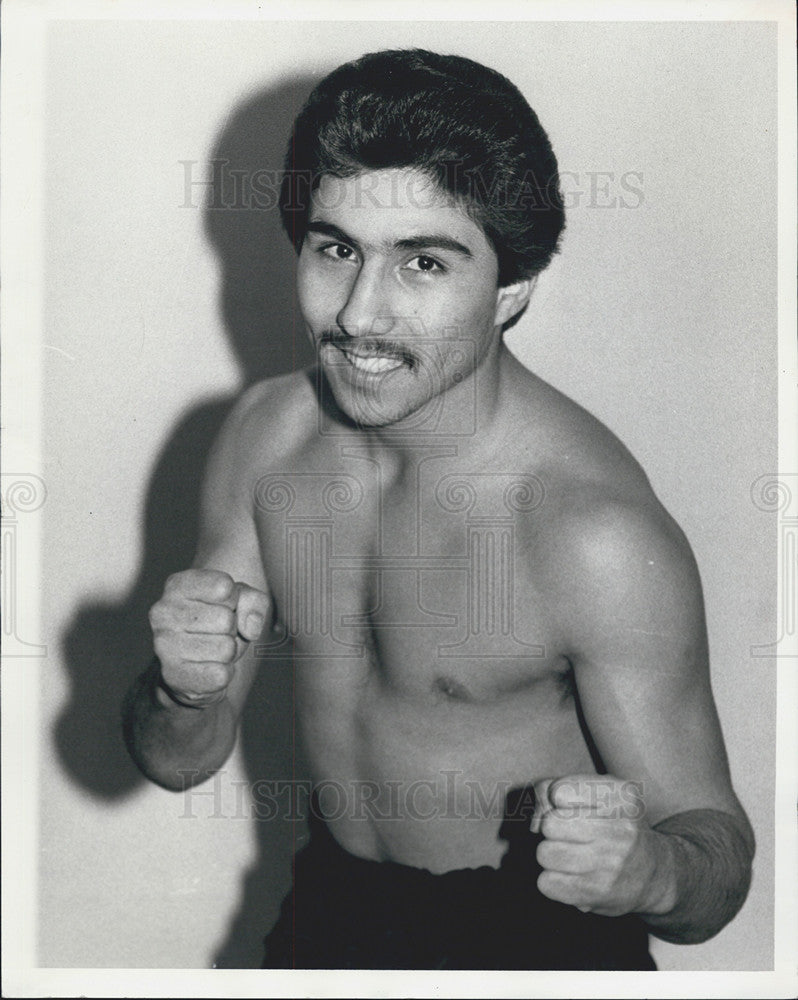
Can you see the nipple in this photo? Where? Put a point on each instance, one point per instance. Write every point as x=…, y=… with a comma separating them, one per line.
x=451, y=688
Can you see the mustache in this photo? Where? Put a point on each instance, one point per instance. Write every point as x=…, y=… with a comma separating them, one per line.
x=370, y=345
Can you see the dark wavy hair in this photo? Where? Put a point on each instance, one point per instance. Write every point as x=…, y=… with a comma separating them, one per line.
x=466, y=126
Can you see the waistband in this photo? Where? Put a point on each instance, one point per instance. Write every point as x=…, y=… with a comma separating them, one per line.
x=518, y=867
x=496, y=911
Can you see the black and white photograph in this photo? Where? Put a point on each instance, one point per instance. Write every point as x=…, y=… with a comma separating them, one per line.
x=400, y=500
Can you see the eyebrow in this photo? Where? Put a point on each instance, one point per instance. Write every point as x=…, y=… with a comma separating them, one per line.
x=424, y=241
x=435, y=241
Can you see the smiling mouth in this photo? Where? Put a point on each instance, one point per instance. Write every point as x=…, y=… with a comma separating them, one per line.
x=376, y=360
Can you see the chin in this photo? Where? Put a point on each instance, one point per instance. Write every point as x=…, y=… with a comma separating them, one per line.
x=365, y=415
x=375, y=409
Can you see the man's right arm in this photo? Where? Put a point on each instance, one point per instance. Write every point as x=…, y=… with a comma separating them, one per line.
x=181, y=715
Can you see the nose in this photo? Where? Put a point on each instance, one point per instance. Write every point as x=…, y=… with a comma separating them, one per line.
x=367, y=309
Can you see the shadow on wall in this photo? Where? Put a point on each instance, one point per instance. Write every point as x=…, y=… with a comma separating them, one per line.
x=106, y=645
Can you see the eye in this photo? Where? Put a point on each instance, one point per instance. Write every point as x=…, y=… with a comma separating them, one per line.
x=425, y=264
x=338, y=251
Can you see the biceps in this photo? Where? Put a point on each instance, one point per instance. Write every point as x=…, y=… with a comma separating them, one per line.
x=228, y=535
x=237, y=553
x=652, y=716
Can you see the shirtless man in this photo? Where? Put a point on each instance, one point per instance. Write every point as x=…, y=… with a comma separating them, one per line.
x=484, y=601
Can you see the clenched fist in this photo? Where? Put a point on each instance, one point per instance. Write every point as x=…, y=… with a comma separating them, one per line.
x=598, y=853
x=201, y=626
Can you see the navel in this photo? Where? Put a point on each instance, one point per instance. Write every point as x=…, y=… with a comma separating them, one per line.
x=566, y=684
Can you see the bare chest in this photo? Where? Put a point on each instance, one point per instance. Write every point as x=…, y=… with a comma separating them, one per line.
x=425, y=583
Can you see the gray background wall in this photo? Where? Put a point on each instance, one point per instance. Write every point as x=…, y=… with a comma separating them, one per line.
x=659, y=316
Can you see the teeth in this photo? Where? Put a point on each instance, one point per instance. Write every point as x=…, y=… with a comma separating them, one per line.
x=373, y=365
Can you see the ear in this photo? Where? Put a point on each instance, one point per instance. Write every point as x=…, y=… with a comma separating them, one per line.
x=511, y=299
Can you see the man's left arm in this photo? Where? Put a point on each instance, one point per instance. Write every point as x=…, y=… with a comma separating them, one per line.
x=662, y=834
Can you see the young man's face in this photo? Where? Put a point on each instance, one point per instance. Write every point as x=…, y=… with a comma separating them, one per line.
x=398, y=290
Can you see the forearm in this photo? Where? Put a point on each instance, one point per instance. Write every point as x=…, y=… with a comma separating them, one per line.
x=174, y=745
x=704, y=873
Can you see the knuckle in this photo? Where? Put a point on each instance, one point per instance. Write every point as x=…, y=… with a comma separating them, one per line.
x=225, y=620
x=542, y=854
x=541, y=787
x=222, y=677
x=160, y=650
x=201, y=580
x=548, y=825
x=547, y=884
x=225, y=646
x=252, y=601
x=557, y=793
x=549, y=855
x=174, y=582
x=169, y=672
x=218, y=583
x=211, y=678
x=566, y=792
x=176, y=677
x=164, y=643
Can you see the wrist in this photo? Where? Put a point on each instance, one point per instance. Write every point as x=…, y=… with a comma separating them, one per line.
x=661, y=892
x=166, y=697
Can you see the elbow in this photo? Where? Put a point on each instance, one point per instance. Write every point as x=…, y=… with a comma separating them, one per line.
x=170, y=776
x=167, y=773
x=714, y=915
x=162, y=770
x=697, y=929
x=176, y=780
x=702, y=930
x=685, y=935
x=713, y=873
x=747, y=833
x=174, y=761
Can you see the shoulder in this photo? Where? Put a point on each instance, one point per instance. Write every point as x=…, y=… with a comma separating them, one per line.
x=264, y=427
x=576, y=456
x=598, y=501
x=274, y=414
x=270, y=422
x=623, y=568
x=620, y=540
x=608, y=550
